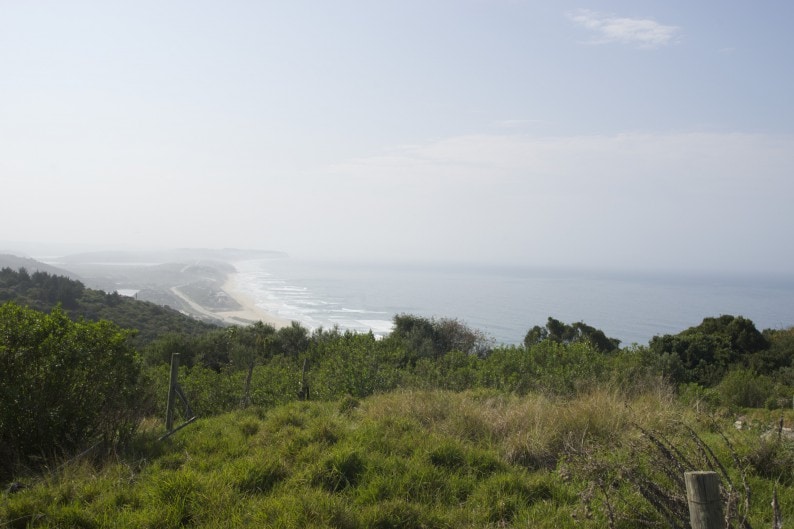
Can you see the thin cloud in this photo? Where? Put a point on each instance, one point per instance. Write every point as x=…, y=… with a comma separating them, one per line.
x=636, y=164
x=643, y=33
x=516, y=123
x=707, y=200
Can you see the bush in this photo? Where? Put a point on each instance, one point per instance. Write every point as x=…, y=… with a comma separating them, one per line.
x=65, y=384
x=745, y=389
x=353, y=364
x=699, y=397
x=774, y=460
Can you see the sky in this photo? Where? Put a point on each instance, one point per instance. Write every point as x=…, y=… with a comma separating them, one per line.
x=614, y=134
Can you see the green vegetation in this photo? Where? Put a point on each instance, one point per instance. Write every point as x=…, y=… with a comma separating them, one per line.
x=43, y=291
x=65, y=384
x=560, y=332
x=431, y=338
x=405, y=459
x=707, y=351
x=432, y=426
x=747, y=367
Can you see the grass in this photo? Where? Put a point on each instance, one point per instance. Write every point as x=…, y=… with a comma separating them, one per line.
x=408, y=459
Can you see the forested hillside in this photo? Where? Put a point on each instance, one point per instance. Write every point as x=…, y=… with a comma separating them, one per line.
x=44, y=291
x=16, y=262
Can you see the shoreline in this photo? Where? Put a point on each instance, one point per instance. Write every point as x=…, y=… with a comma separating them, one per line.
x=249, y=313
x=206, y=289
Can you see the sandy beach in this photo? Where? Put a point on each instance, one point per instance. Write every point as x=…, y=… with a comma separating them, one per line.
x=250, y=312
x=199, y=282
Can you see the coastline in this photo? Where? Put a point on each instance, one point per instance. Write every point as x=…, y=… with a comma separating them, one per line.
x=201, y=284
x=249, y=312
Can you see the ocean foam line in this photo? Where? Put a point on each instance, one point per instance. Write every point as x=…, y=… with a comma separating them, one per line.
x=380, y=327
x=299, y=303
x=289, y=289
x=318, y=303
x=358, y=311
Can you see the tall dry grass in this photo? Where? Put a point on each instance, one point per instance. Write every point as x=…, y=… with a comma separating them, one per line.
x=534, y=430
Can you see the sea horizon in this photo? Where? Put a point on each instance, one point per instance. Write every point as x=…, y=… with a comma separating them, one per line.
x=506, y=300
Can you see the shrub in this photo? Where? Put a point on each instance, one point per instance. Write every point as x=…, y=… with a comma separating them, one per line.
x=773, y=459
x=744, y=388
x=65, y=384
x=697, y=396
x=347, y=404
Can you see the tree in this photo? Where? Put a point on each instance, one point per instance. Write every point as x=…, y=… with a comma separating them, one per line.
x=291, y=341
x=780, y=354
x=708, y=350
x=454, y=335
x=433, y=338
x=742, y=336
x=64, y=384
x=416, y=335
x=249, y=345
x=560, y=332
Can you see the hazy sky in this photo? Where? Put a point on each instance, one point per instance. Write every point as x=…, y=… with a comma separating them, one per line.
x=637, y=133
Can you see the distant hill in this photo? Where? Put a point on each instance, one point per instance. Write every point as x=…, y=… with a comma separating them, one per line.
x=91, y=284
x=43, y=291
x=178, y=255
x=156, y=276
x=16, y=262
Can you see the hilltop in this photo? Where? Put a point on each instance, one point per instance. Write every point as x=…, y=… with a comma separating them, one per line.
x=413, y=459
x=431, y=426
x=16, y=262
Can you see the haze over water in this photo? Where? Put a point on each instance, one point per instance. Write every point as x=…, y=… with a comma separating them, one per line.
x=611, y=136
x=505, y=302
x=618, y=135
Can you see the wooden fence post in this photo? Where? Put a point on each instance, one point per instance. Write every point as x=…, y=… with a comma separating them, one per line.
x=703, y=496
x=169, y=410
x=303, y=391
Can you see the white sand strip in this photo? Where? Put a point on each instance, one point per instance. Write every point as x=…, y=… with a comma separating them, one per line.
x=250, y=312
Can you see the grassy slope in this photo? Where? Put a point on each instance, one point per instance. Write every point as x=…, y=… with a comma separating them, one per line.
x=399, y=460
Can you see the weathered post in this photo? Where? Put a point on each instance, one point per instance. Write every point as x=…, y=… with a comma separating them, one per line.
x=303, y=391
x=703, y=496
x=172, y=389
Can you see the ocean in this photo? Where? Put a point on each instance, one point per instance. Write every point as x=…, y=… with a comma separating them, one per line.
x=506, y=301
